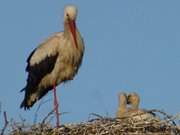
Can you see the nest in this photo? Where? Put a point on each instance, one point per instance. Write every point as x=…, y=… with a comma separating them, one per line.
x=105, y=126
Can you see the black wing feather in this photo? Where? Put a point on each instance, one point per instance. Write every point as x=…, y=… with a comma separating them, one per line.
x=36, y=73
x=29, y=58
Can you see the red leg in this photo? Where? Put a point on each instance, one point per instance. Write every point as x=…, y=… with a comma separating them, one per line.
x=56, y=106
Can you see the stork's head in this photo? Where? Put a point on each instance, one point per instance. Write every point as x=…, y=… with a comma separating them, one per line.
x=133, y=99
x=70, y=14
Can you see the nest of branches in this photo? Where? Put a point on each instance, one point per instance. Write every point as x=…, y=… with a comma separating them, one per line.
x=99, y=125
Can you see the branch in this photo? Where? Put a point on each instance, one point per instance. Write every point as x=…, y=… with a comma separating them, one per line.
x=169, y=117
x=5, y=123
x=38, y=108
x=48, y=115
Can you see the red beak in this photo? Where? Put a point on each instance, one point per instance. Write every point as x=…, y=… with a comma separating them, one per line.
x=72, y=25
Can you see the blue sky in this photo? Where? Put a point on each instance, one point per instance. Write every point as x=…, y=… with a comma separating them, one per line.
x=130, y=46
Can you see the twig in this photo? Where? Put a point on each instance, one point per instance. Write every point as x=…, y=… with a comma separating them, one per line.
x=5, y=123
x=49, y=114
x=99, y=117
x=96, y=115
x=39, y=106
x=169, y=117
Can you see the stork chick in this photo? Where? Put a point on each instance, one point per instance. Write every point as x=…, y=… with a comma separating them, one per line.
x=129, y=108
x=134, y=111
x=122, y=107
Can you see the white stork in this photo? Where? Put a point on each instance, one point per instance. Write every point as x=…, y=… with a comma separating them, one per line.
x=54, y=61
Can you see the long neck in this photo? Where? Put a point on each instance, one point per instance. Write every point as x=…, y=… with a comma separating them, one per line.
x=122, y=108
x=135, y=105
x=74, y=36
x=67, y=31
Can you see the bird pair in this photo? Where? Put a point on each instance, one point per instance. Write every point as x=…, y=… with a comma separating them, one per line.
x=131, y=99
x=129, y=108
x=54, y=61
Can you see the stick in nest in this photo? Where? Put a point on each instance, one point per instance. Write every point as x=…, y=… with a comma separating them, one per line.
x=5, y=123
x=48, y=115
x=168, y=117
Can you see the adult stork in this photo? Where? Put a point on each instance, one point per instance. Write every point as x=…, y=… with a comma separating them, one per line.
x=54, y=61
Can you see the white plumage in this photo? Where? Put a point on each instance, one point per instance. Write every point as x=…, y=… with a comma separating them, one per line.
x=55, y=60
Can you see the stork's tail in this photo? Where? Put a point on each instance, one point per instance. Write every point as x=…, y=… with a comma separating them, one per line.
x=27, y=103
x=29, y=98
x=24, y=105
x=32, y=94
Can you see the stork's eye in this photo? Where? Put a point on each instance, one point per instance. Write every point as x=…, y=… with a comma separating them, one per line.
x=68, y=17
